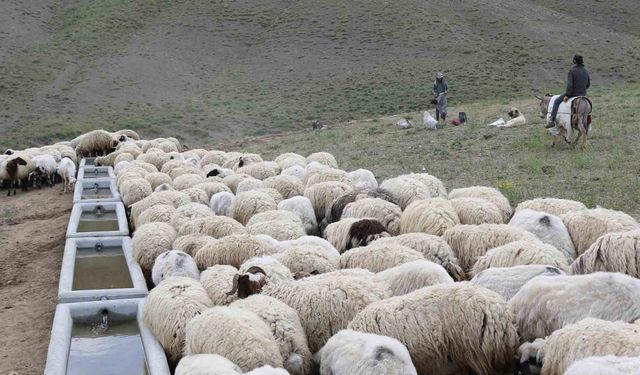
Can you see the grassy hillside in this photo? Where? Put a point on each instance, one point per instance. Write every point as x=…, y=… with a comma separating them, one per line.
x=214, y=71
x=518, y=161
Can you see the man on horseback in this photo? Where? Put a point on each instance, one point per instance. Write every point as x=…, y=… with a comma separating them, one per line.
x=577, y=84
x=440, y=91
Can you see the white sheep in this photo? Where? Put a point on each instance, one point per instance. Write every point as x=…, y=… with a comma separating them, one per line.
x=612, y=252
x=150, y=240
x=133, y=190
x=553, y=206
x=414, y=275
x=507, y=281
x=307, y=259
x=156, y=179
x=519, y=253
x=585, y=226
x=378, y=257
x=355, y=353
x=191, y=243
x=290, y=159
x=189, y=212
x=431, y=216
x=548, y=228
x=174, y=263
x=605, y=365
x=96, y=142
x=214, y=226
x=323, y=158
x=322, y=195
x=491, y=194
x=67, y=171
x=296, y=171
x=260, y=170
x=404, y=190
x=221, y=203
x=213, y=364
x=46, y=167
x=218, y=280
x=174, y=198
x=302, y=207
x=385, y=212
x=249, y=184
x=476, y=211
x=267, y=265
x=350, y=233
x=250, y=203
x=362, y=179
x=232, y=250
x=278, y=224
x=448, y=328
x=317, y=242
x=287, y=186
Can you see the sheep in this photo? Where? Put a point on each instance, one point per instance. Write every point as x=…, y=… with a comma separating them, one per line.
x=187, y=170
x=197, y=195
x=189, y=212
x=157, y=213
x=433, y=248
x=305, y=258
x=236, y=161
x=168, y=146
x=507, y=281
x=586, y=338
x=267, y=265
x=96, y=142
x=410, y=276
x=215, y=226
x=157, y=159
x=221, y=202
x=605, y=365
x=206, y=364
x=385, y=212
x=355, y=353
x=158, y=178
x=234, y=333
x=214, y=157
x=286, y=329
x=553, y=206
x=287, y=186
x=186, y=181
x=546, y=304
x=519, y=253
x=174, y=198
x=404, y=190
x=212, y=187
x=169, y=307
x=468, y=242
x=260, y=171
x=302, y=207
x=435, y=186
x=322, y=195
x=313, y=241
x=290, y=159
x=249, y=184
x=17, y=169
x=456, y=327
x=163, y=187
x=191, y=243
x=325, y=303
x=378, y=257
x=612, y=252
x=134, y=190
x=351, y=232
x=336, y=208
x=324, y=158
x=476, y=211
x=295, y=171
x=548, y=228
x=362, y=179
x=325, y=174
x=67, y=171
x=148, y=167
x=431, y=216
x=585, y=226
x=149, y=241
x=488, y=193
x=232, y=250
x=273, y=193
x=279, y=225
x=250, y=203
x=174, y=263
x=45, y=166
x=218, y=280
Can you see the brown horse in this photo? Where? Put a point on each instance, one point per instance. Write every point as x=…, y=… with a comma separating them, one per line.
x=564, y=121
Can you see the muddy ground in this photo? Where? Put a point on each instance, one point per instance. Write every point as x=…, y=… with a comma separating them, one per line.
x=32, y=236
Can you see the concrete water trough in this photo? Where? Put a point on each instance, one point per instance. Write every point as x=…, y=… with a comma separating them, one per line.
x=87, y=161
x=96, y=190
x=102, y=219
x=98, y=268
x=103, y=337
x=87, y=172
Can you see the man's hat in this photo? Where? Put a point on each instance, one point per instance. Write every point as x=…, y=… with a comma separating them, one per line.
x=439, y=75
x=578, y=59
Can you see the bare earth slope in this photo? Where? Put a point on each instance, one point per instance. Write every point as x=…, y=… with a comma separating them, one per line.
x=224, y=69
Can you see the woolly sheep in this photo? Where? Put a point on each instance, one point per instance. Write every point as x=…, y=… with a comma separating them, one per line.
x=325, y=175
x=215, y=226
x=322, y=194
x=435, y=186
x=468, y=242
x=287, y=186
x=323, y=158
x=612, y=252
x=286, y=329
x=46, y=166
x=191, y=243
x=457, y=327
x=355, y=353
x=206, y=364
x=301, y=206
x=163, y=187
x=507, y=281
x=433, y=248
x=476, y=211
x=273, y=193
x=250, y=203
x=157, y=213
x=431, y=216
x=169, y=307
x=186, y=170
x=211, y=187
x=290, y=159
x=189, y=212
x=268, y=266
x=197, y=195
x=214, y=157
x=67, y=171
x=260, y=171
x=336, y=208
x=96, y=142
x=295, y=171
x=171, y=165
x=378, y=257
x=405, y=190
x=174, y=263
x=307, y=259
x=407, y=277
x=385, y=212
x=232, y=250
x=16, y=169
x=233, y=180
x=605, y=365
x=585, y=226
x=156, y=158
x=150, y=168
x=221, y=203
x=121, y=167
x=553, y=206
x=249, y=184
x=134, y=190
x=279, y=225
x=168, y=146
x=150, y=240
x=174, y=198
x=312, y=241
x=492, y=195
x=546, y=304
x=186, y=181
x=240, y=160
x=158, y=178
x=236, y=334
x=519, y=253
x=548, y=228
x=362, y=179
x=218, y=281
x=350, y=233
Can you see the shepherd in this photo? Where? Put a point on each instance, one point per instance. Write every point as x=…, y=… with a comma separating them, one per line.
x=440, y=90
x=578, y=82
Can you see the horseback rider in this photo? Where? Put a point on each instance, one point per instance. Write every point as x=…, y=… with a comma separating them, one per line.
x=440, y=90
x=577, y=84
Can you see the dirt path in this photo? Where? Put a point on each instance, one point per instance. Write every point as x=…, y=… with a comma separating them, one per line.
x=32, y=236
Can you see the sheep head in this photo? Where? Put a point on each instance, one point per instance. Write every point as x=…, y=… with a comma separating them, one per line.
x=249, y=283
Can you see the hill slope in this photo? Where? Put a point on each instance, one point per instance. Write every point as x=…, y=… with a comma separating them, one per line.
x=225, y=69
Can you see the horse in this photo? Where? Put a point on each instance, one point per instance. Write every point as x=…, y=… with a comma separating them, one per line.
x=564, y=128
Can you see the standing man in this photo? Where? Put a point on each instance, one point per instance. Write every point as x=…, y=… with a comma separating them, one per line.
x=440, y=90
x=577, y=84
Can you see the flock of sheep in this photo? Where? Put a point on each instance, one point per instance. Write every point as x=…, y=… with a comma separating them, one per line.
x=295, y=266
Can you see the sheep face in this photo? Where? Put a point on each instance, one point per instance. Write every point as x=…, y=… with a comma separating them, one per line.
x=249, y=283
x=364, y=232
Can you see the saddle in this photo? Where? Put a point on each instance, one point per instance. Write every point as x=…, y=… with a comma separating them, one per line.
x=574, y=111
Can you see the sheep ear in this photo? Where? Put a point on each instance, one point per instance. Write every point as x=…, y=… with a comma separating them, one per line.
x=234, y=288
x=255, y=269
x=21, y=161
x=545, y=220
x=314, y=272
x=381, y=353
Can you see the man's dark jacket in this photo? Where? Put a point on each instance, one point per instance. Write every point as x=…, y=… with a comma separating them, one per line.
x=578, y=81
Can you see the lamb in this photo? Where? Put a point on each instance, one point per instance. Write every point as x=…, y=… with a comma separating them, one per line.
x=322, y=195
x=232, y=250
x=385, y=212
x=362, y=179
x=519, y=253
x=586, y=338
x=67, y=171
x=221, y=203
x=286, y=329
x=553, y=206
x=476, y=211
x=46, y=166
x=191, y=243
x=586, y=226
x=405, y=190
x=471, y=241
x=546, y=304
x=214, y=226
x=431, y=216
x=279, y=225
x=301, y=206
x=324, y=158
x=488, y=193
x=287, y=186
x=612, y=252
x=169, y=307
x=414, y=275
x=149, y=241
x=349, y=233
x=189, y=212
x=548, y=228
x=378, y=257
x=507, y=281
x=606, y=365
x=218, y=280
x=95, y=143
x=448, y=328
x=250, y=203
x=16, y=170
x=174, y=263
x=355, y=353
x=234, y=333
